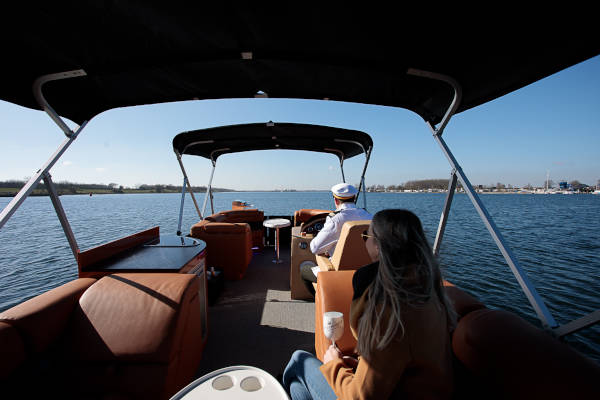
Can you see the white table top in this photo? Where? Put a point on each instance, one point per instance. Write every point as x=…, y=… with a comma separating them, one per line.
x=277, y=223
x=237, y=382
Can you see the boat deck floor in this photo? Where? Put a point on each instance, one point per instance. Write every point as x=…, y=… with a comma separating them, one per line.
x=255, y=322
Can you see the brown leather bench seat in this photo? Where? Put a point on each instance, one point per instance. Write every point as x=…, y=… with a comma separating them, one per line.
x=251, y=216
x=123, y=336
x=498, y=355
x=230, y=236
x=506, y=357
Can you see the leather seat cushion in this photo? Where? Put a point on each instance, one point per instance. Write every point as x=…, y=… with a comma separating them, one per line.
x=225, y=228
x=334, y=293
x=120, y=307
x=250, y=215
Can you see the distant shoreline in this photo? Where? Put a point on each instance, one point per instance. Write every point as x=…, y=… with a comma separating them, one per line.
x=91, y=193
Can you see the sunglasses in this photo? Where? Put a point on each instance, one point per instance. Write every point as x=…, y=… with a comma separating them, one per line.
x=365, y=236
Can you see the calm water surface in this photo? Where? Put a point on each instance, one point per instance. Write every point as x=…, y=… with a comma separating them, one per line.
x=555, y=237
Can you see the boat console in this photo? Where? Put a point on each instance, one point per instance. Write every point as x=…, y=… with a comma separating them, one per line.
x=308, y=223
x=145, y=251
x=314, y=225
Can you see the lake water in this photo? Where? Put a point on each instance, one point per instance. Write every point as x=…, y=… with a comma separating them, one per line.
x=555, y=237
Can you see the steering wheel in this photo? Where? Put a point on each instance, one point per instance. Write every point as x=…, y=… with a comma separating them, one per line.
x=314, y=224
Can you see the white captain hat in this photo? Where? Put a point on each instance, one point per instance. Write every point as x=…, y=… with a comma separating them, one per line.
x=343, y=191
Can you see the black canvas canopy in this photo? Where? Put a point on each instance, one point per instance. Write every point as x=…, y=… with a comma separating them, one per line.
x=214, y=142
x=137, y=52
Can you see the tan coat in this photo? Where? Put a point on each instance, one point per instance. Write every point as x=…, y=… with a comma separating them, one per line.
x=418, y=365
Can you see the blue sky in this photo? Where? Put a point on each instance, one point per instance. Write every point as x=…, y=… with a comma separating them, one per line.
x=551, y=125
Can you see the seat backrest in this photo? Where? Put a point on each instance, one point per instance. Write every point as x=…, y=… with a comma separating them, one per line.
x=334, y=293
x=214, y=218
x=512, y=359
x=350, y=250
x=246, y=215
x=229, y=246
x=305, y=214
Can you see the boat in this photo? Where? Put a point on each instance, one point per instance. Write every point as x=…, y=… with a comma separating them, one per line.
x=145, y=329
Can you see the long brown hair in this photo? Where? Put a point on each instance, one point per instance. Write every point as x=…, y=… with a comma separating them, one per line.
x=408, y=274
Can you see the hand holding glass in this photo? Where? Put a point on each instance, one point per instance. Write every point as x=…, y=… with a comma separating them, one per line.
x=333, y=325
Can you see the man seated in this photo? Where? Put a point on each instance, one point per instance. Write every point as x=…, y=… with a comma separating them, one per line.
x=344, y=197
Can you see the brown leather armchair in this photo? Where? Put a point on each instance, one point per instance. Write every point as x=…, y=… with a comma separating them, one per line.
x=350, y=251
x=251, y=216
x=228, y=244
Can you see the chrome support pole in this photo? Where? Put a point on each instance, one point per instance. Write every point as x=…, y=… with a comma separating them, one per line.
x=444, y=218
x=455, y=101
x=62, y=217
x=189, y=186
x=362, y=178
x=16, y=202
x=208, y=189
x=578, y=324
x=532, y=295
x=342, y=168
x=181, y=206
x=530, y=292
x=364, y=195
x=37, y=92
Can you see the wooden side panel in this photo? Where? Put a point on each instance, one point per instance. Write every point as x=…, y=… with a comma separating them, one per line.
x=97, y=254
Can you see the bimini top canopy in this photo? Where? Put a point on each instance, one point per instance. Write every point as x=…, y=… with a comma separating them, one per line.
x=133, y=52
x=213, y=142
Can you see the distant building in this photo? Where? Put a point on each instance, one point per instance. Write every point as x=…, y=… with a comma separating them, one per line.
x=563, y=185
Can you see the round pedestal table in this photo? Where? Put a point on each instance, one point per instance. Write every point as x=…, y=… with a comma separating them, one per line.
x=277, y=223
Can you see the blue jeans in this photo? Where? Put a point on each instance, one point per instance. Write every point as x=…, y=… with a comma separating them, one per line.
x=304, y=381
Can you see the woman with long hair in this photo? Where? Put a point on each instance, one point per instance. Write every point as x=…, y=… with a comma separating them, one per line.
x=401, y=318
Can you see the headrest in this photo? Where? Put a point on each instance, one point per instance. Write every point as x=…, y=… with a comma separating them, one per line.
x=225, y=227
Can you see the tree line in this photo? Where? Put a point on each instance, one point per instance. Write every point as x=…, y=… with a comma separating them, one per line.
x=442, y=184
x=424, y=184
x=11, y=187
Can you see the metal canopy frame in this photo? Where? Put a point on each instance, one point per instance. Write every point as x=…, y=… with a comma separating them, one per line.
x=213, y=160
x=367, y=153
x=548, y=321
x=546, y=318
x=44, y=172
